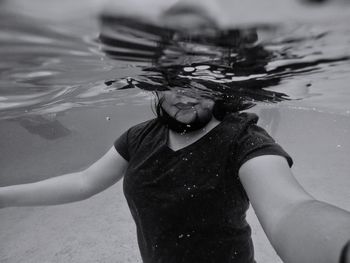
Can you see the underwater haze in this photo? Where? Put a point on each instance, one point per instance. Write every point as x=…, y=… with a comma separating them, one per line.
x=73, y=77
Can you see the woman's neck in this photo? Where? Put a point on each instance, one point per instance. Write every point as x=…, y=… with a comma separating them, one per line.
x=177, y=141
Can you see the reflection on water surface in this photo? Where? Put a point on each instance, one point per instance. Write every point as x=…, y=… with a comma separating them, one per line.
x=53, y=67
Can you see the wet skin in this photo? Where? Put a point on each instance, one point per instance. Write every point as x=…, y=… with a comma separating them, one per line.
x=186, y=106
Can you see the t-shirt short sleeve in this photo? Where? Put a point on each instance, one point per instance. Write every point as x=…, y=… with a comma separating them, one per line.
x=254, y=142
x=121, y=145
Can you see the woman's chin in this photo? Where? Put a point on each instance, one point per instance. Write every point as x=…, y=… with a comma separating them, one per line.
x=193, y=119
x=186, y=117
x=186, y=120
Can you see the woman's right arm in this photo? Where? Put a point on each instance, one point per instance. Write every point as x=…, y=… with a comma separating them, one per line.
x=69, y=187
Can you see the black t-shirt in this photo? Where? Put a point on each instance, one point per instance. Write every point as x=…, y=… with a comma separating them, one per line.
x=189, y=205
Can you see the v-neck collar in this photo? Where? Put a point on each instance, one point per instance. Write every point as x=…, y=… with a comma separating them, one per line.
x=189, y=146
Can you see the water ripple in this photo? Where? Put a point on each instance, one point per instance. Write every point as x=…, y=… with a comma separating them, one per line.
x=55, y=67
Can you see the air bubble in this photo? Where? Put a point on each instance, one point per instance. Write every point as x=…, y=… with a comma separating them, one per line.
x=189, y=69
x=203, y=67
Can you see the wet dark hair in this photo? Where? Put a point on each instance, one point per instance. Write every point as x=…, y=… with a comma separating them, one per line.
x=222, y=107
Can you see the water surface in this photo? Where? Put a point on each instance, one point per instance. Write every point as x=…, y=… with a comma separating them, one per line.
x=69, y=87
x=56, y=66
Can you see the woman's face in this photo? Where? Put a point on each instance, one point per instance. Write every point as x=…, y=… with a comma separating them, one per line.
x=186, y=106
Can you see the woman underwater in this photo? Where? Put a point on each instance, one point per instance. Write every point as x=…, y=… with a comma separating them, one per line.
x=189, y=176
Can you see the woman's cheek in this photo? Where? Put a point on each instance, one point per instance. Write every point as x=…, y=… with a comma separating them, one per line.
x=169, y=108
x=202, y=112
x=186, y=117
x=207, y=105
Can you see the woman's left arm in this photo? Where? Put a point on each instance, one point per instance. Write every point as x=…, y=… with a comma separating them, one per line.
x=300, y=228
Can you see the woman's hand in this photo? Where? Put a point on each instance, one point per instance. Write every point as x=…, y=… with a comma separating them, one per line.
x=69, y=187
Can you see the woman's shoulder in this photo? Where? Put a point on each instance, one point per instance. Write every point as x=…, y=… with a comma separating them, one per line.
x=144, y=128
x=143, y=125
x=242, y=119
x=243, y=126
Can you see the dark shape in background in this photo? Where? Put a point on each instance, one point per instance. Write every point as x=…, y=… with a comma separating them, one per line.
x=45, y=128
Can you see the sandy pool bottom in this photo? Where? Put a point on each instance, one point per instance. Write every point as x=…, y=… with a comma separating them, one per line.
x=101, y=229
